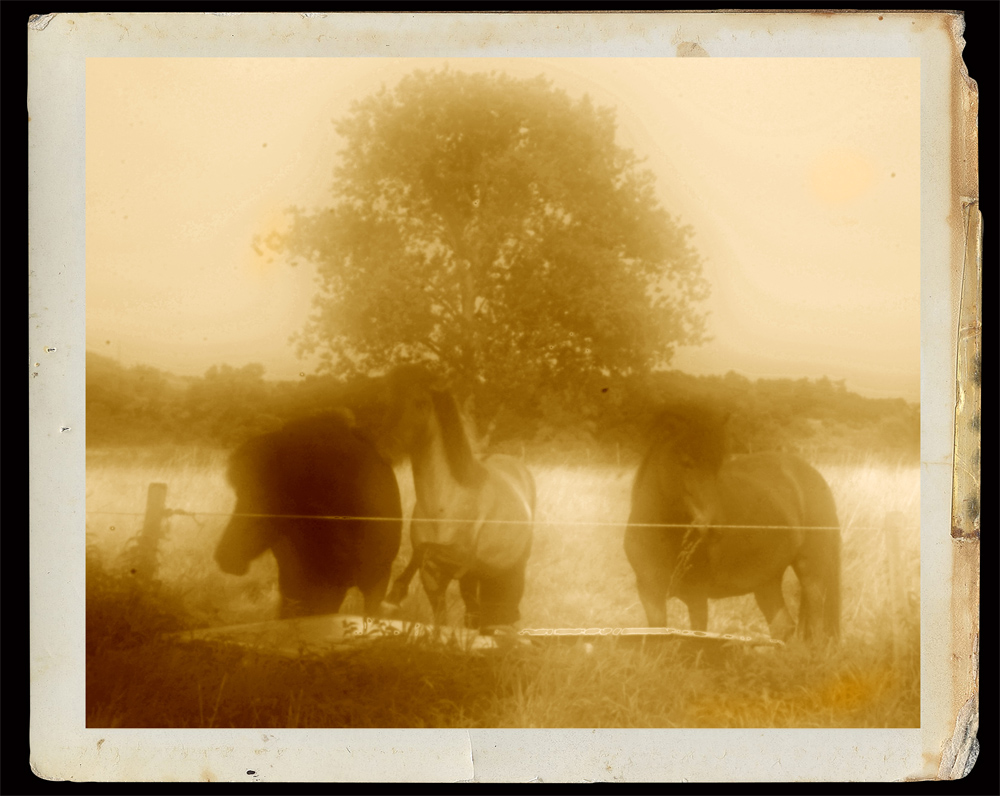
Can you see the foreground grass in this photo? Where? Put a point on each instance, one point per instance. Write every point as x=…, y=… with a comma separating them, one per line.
x=138, y=677
x=577, y=577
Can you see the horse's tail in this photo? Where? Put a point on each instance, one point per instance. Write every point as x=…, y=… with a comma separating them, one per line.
x=831, y=605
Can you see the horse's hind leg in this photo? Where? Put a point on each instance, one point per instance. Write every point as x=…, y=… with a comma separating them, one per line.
x=402, y=584
x=500, y=597
x=811, y=602
x=436, y=579
x=771, y=602
x=653, y=594
x=469, y=586
x=698, y=613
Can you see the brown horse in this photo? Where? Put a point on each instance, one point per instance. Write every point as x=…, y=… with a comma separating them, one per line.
x=744, y=520
x=285, y=483
x=473, y=520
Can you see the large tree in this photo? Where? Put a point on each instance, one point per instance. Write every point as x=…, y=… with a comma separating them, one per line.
x=494, y=225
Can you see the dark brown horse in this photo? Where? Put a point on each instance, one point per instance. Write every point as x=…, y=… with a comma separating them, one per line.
x=315, y=467
x=473, y=519
x=743, y=521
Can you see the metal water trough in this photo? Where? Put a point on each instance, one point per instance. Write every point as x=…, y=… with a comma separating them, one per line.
x=322, y=634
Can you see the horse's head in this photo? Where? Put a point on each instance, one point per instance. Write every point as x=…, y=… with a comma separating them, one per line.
x=688, y=449
x=409, y=396
x=362, y=405
x=246, y=537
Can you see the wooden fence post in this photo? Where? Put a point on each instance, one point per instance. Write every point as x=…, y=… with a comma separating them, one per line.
x=897, y=599
x=152, y=530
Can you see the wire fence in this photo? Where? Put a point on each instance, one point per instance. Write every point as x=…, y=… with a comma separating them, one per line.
x=557, y=523
x=144, y=547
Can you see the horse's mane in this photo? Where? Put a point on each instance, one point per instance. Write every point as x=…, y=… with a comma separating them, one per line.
x=699, y=426
x=462, y=462
x=259, y=450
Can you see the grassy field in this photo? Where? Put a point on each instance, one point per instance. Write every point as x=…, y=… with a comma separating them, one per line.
x=578, y=576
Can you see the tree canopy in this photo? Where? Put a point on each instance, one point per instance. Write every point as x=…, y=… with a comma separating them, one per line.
x=495, y=226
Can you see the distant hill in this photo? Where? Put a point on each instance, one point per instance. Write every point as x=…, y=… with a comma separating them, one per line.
x=141, y=405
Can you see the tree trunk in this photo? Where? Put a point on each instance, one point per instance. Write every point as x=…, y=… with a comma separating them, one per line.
x=470, y=345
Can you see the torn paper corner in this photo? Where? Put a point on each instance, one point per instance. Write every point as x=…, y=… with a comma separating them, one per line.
x=958, y=32
x=962, y=748
x=40, y=21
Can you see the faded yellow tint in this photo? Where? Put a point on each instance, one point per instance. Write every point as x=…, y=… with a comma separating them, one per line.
x=841, y=176
x=800, y=178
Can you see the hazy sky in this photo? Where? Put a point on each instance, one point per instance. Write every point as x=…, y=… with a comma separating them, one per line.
x=799, y=177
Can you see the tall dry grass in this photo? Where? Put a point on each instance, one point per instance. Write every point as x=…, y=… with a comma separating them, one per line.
x=577, y=577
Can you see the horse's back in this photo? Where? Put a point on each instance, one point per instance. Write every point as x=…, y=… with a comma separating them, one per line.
x=776, y=489
x=766, y=503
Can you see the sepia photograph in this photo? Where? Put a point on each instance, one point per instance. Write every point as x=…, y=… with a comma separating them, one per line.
x=546, y=393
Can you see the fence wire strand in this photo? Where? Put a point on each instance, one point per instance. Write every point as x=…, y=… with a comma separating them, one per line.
x=344, y=518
